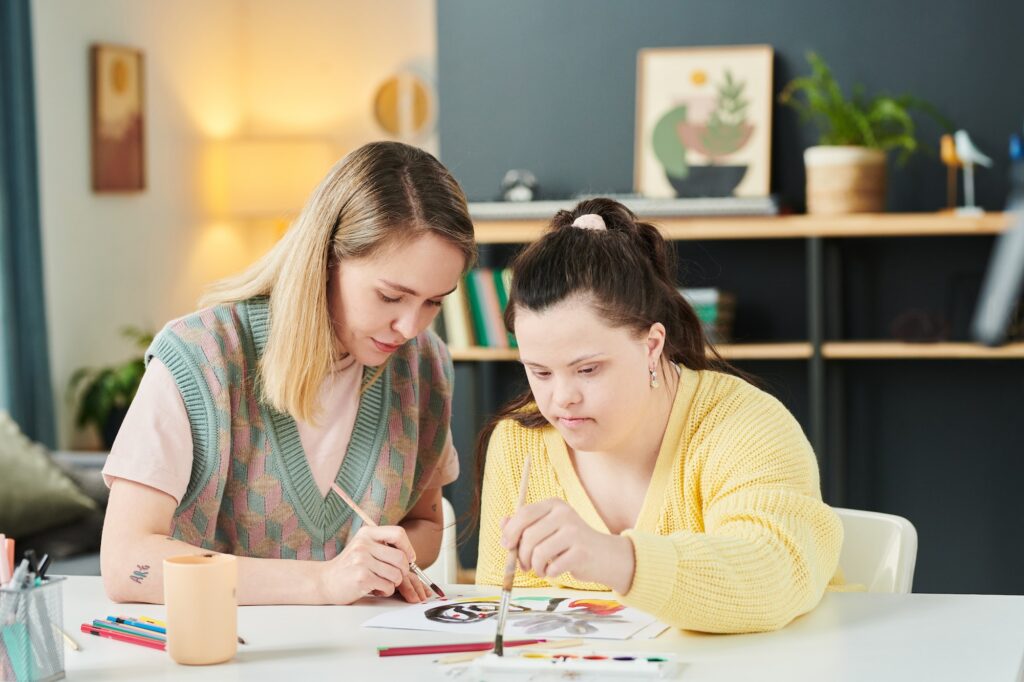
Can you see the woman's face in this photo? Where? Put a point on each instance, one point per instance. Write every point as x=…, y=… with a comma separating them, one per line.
x=379, y=302
x=590, y=380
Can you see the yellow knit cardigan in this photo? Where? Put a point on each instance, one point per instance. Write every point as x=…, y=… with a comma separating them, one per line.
x=732, y=536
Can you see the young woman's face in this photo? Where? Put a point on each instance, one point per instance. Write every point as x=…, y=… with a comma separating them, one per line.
x=590, y=379
x=380, y=302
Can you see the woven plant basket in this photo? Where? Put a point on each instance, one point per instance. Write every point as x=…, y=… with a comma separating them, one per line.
x=845, y=180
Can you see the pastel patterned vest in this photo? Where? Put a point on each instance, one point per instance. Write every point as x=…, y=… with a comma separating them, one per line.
x=252, y=492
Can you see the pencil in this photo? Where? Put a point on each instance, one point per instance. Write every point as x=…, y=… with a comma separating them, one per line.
x=67, y=638
x=510, y=568
x=130, y=639
x=370, y=522
x=448, y=648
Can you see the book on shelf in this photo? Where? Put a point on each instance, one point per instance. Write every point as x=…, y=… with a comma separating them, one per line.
x=473, y=315
x=715, y=309
x=456, y=318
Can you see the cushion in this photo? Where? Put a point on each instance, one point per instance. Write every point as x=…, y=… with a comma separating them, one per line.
x=34, y=493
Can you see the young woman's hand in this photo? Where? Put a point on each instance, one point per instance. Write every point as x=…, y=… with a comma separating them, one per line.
x=553, y=539
x=375, y=561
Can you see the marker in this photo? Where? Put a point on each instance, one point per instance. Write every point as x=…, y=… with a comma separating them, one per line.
x=5, y=566
x=130, y=639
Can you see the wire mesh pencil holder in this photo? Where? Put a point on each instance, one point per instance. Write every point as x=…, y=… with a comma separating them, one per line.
x=31, y=638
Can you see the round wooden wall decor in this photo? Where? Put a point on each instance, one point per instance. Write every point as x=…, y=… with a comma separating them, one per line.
x=404, y=106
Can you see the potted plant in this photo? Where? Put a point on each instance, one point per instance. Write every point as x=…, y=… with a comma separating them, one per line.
x=104, y=393
x=846, y=171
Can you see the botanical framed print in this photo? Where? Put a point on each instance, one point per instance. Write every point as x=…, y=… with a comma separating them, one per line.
x=118, y=121
x=703, y=121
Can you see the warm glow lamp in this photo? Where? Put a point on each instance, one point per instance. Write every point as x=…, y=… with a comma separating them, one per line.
x=272, y=177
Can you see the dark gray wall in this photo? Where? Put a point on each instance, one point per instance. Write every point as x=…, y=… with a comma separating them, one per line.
x=550, y=86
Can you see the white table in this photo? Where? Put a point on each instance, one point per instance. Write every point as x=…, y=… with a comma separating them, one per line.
x=848, y=637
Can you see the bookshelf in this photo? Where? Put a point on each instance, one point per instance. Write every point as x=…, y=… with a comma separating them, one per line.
x=823, y=352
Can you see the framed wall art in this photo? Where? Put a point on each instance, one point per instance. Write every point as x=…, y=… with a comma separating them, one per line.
x=703, y=121
x=118, y=120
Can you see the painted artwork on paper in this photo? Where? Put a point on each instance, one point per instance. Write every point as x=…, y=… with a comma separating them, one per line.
x=704, y=122
x=529, y=616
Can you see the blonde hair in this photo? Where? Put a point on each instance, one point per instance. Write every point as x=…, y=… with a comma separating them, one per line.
x=381, y=195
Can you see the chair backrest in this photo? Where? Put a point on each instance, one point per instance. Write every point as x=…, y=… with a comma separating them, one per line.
x=879, y=550
x=445, y=569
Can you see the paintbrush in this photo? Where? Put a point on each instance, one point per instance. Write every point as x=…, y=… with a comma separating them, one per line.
x=510, y=568
x=370, y=522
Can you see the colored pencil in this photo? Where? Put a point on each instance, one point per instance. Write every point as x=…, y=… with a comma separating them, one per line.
x=130, y=639
x=149, y=624
x=138, y=624
x=448, y=648
x=551, y=644
x=510, y=567
x=373, y=524
x=129, y=630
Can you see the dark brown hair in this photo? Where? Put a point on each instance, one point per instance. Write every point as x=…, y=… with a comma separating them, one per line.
x=626, y=271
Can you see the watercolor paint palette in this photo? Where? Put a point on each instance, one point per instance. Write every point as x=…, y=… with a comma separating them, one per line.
x=558, y=663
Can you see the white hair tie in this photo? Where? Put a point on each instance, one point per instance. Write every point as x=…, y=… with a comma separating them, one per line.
x=590, y=221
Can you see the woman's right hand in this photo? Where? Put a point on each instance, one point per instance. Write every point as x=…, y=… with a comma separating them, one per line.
x=375, y=561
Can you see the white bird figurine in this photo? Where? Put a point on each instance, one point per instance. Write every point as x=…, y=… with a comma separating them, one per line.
x=969, y=155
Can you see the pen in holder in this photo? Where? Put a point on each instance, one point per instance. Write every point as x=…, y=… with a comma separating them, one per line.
x=31, y=645
x=202, y=608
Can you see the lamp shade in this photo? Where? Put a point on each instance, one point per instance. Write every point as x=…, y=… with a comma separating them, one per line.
x=270, y=177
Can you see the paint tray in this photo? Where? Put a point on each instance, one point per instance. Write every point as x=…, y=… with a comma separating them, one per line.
x=556, y=663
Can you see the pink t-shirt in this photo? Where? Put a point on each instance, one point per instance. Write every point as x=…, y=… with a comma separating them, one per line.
x=154, y=445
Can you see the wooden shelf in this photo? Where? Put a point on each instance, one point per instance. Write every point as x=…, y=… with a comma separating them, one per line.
x=778, y=227
x=833, y=350
x=797, y=350
x=479, y=353
x=737, y=351
x=896, y=350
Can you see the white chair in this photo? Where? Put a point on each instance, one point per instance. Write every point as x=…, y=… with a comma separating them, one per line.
x=445, y=569
x=879, y=550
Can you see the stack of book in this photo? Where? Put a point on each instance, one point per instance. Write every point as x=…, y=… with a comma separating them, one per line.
x=473, y=315
x=716, y=309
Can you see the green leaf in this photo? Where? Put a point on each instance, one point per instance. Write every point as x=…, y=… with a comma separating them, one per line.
x=667, y=146
x=882, y=122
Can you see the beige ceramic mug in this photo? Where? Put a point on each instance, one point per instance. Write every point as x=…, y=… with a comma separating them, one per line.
x=202, y=608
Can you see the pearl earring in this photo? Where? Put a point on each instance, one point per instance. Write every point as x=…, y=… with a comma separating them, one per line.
x=654, y=379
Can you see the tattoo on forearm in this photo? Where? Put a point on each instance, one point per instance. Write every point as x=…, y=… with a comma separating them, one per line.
x=140, y=573
x=433, y=507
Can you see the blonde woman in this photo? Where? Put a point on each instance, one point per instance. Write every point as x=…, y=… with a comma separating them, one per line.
x=313, y=367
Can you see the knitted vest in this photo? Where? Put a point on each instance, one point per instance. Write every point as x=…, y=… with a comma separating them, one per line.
x=251, y=492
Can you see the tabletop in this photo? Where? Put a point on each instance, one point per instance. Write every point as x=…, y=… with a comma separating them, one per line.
x=849, y=636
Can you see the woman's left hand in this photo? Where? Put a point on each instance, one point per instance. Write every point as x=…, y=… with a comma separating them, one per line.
x=553, y=539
